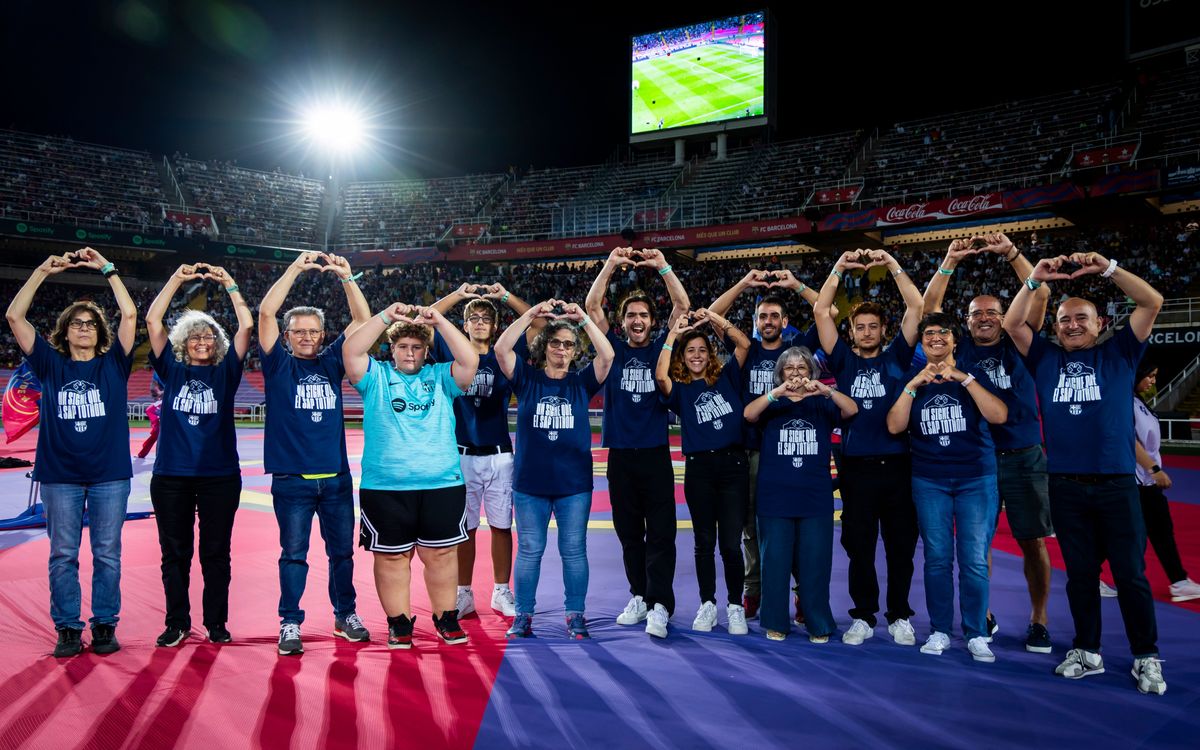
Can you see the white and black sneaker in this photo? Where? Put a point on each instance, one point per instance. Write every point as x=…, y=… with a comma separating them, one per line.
x=351, y=628
x=1079, y=664
x=289, y=640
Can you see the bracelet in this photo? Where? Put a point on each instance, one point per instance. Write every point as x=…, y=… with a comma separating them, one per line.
x=355, y=277
x=968, y=380
x=668, y=348
x=771, y=398
x=802, y=287
x=912, y=394
x=1155, y=469
x=231, y=289
x=837, y=273
x=1032, y=283
x=898, y=272
x=110, y=272
x=1010, y=257
x=664, y=270
x=504, y=299
x=382, y=315
x=945, y=271
x=727, y=327
x=104, y=269
x=1112, y=267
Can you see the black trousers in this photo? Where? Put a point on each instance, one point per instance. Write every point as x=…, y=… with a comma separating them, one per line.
x=1156, y=512
x=641, y=486
x=877, y=499
x=715, y=484
x=177, y=502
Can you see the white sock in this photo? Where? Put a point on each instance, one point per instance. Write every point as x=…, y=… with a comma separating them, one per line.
x=501, y=587
x=464, y=588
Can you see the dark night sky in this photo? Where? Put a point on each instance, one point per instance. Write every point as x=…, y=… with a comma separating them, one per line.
x=475, y=87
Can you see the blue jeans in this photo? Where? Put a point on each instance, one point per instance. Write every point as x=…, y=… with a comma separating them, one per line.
x=806, y=546
x=332, y=500
x=957, y=513
x=533, y=519
x=64, y=504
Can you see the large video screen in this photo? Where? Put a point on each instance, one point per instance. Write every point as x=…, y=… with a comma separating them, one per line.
x=702, y=73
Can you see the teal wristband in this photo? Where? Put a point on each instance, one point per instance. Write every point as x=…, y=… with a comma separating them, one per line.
x=382, y=315
x=231, y=289
x=664, y=270
x=355, y=277
x=771, y=398
x=837, y=273
x=945, y=271
x=107, y=267
x=802, y=287
x=668, y=348
x=504, y=299
x=1032, y=283
x=912, y=394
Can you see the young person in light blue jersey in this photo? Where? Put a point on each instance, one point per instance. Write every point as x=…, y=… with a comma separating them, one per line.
x=946, y=408
x=411, y=494
x=875, y=473
x=82, y=456
x=1083, y=390
x=552, y=470
x=304, y=446
x=707, y=397
x=641, y=482
x=1021, y=461
x=196, y=470
x=795, y=492
x=481, y=428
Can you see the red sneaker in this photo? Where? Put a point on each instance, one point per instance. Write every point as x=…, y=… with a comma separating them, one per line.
x=448, y=629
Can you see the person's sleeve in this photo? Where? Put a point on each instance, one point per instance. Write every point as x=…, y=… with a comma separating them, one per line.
x=589, y=380
x=521, y=348
x=1128, y=345
x=233, y=370
x=811, y=339
x=446, y=382
x=271, y=359
x=837, y=357
x=369, y=382
x=900, y=351
x=441, y=350
x=520, y=377
x=122, y=360
x=672, y=401
x=333, y=351
x=164, y=364
x=43, y=357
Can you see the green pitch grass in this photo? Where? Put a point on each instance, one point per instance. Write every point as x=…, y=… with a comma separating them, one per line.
x=682, y=90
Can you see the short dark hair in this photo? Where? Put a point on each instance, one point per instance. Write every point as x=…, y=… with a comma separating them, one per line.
x=773, y=299
x=868, y=308
x=937, y=319
x=637, y=295
x=58, y=335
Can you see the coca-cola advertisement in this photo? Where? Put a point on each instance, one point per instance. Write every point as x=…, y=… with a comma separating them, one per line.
x=945, y=208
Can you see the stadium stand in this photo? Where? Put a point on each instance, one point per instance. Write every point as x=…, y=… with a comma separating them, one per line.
x=410, y=213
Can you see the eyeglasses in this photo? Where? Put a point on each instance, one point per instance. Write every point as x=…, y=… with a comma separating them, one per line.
x=203, y=338
x=939, y=332
x=795, y=368
x=480, y=319
x=79, y=324
x=306, y=333
x=978, y=314
x=560, y=344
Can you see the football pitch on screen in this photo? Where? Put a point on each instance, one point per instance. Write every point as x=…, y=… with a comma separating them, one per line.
x=683, y=90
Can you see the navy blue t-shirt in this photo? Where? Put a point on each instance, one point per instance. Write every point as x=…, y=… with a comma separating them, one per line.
x=793, y=468
x=634, y=415
x=710, y=415
x=948, y=435
x=481, y=414
x=83, y=435
x=758, y=376
x=873, y=383
x=197, y=437
x=554, y=436
x=305, y=432
x=1084, y=398
x=1002, y=364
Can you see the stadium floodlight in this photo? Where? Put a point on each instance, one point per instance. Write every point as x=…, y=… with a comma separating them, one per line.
x=335, y=128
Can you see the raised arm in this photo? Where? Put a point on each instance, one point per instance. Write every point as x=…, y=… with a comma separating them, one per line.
x=272, y=301
x=784, y=279
x=127, y=328
x=356, y=347
x=23, y=330
x=898, y=415
x=605, y=355
x=753, y=279
x=245, y=318
x=501, y=296
x=679, y=298
x=466, y=359
x=908, y=290
x=158, y=308
x=1146, y=298
x=935, y=291
x=823, y=307
x=722, y=327
x=1001, y=245
x=662, y=369
x=594, y=303
x=990, y=406
x=503, y=348
x=754, y=410
x=356, y=301
x=452, y=300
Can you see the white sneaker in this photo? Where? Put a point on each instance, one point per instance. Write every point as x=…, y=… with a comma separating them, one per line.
x=504, y=602
x=635, y=612
x=1106, y=591
x=656, y=621
x=859, y=631
x=1148, y=673
x=978, y=647
x=1185, y=590
x=902, y=633
x=936, y=644
x=737, y=619
x=1080, y=663
x=706, y=618
x=464, y=602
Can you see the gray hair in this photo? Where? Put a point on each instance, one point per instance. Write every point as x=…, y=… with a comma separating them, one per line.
x=191, y=322
x=537, y=350
x=792, y=354
x=316, y=312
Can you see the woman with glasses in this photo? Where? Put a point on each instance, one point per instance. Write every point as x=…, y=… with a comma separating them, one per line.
x=196, y=470
x=946, y=412
x=795, y=492
x=552, y=468
x=82, y=444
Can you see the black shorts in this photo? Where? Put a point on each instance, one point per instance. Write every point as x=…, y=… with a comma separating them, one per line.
x=395, y=521
x=1024, y=491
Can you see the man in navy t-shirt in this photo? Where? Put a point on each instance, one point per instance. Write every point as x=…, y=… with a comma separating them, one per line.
x=1083, y=391
x=304, y=448
x=641, y=481
x=875, y=474
x=1021, y=461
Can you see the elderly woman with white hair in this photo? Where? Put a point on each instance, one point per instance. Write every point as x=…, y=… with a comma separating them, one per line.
x=196, y=472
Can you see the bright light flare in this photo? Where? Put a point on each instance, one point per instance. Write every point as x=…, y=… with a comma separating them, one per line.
x=335, y=128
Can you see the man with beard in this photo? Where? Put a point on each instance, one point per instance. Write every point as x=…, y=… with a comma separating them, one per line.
x=1083, y=390
x=758, y=378
x=876, y=470
x=1020, y=460
x=641, y=480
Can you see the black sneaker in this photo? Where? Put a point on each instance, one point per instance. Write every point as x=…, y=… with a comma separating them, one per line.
x=218, y=634
x=351, y=628
x=104, y=639
x=992, y=627
x=289, y=640
x=171, y=637
x=400, y=630
x=1037, y=638
x=69, y=643
x=448, y=629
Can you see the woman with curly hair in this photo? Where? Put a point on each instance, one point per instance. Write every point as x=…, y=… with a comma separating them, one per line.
x=552, y=421
x=196, y=470
x=83, y=444
x=707, y=398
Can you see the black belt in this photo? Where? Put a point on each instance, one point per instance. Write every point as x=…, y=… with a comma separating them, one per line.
x=487, y=450
x=1014, y=451
x=1090, y=478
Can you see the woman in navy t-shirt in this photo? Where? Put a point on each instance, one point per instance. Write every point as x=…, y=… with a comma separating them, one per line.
x=83, y=444
x=707, y=398
x=552, y=466
x=795, y=492
x=946, y=411
x=196, y=471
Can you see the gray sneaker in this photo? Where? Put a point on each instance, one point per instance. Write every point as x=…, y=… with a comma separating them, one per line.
x=351, y=628
x=289, y=640
x=1147, y=672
